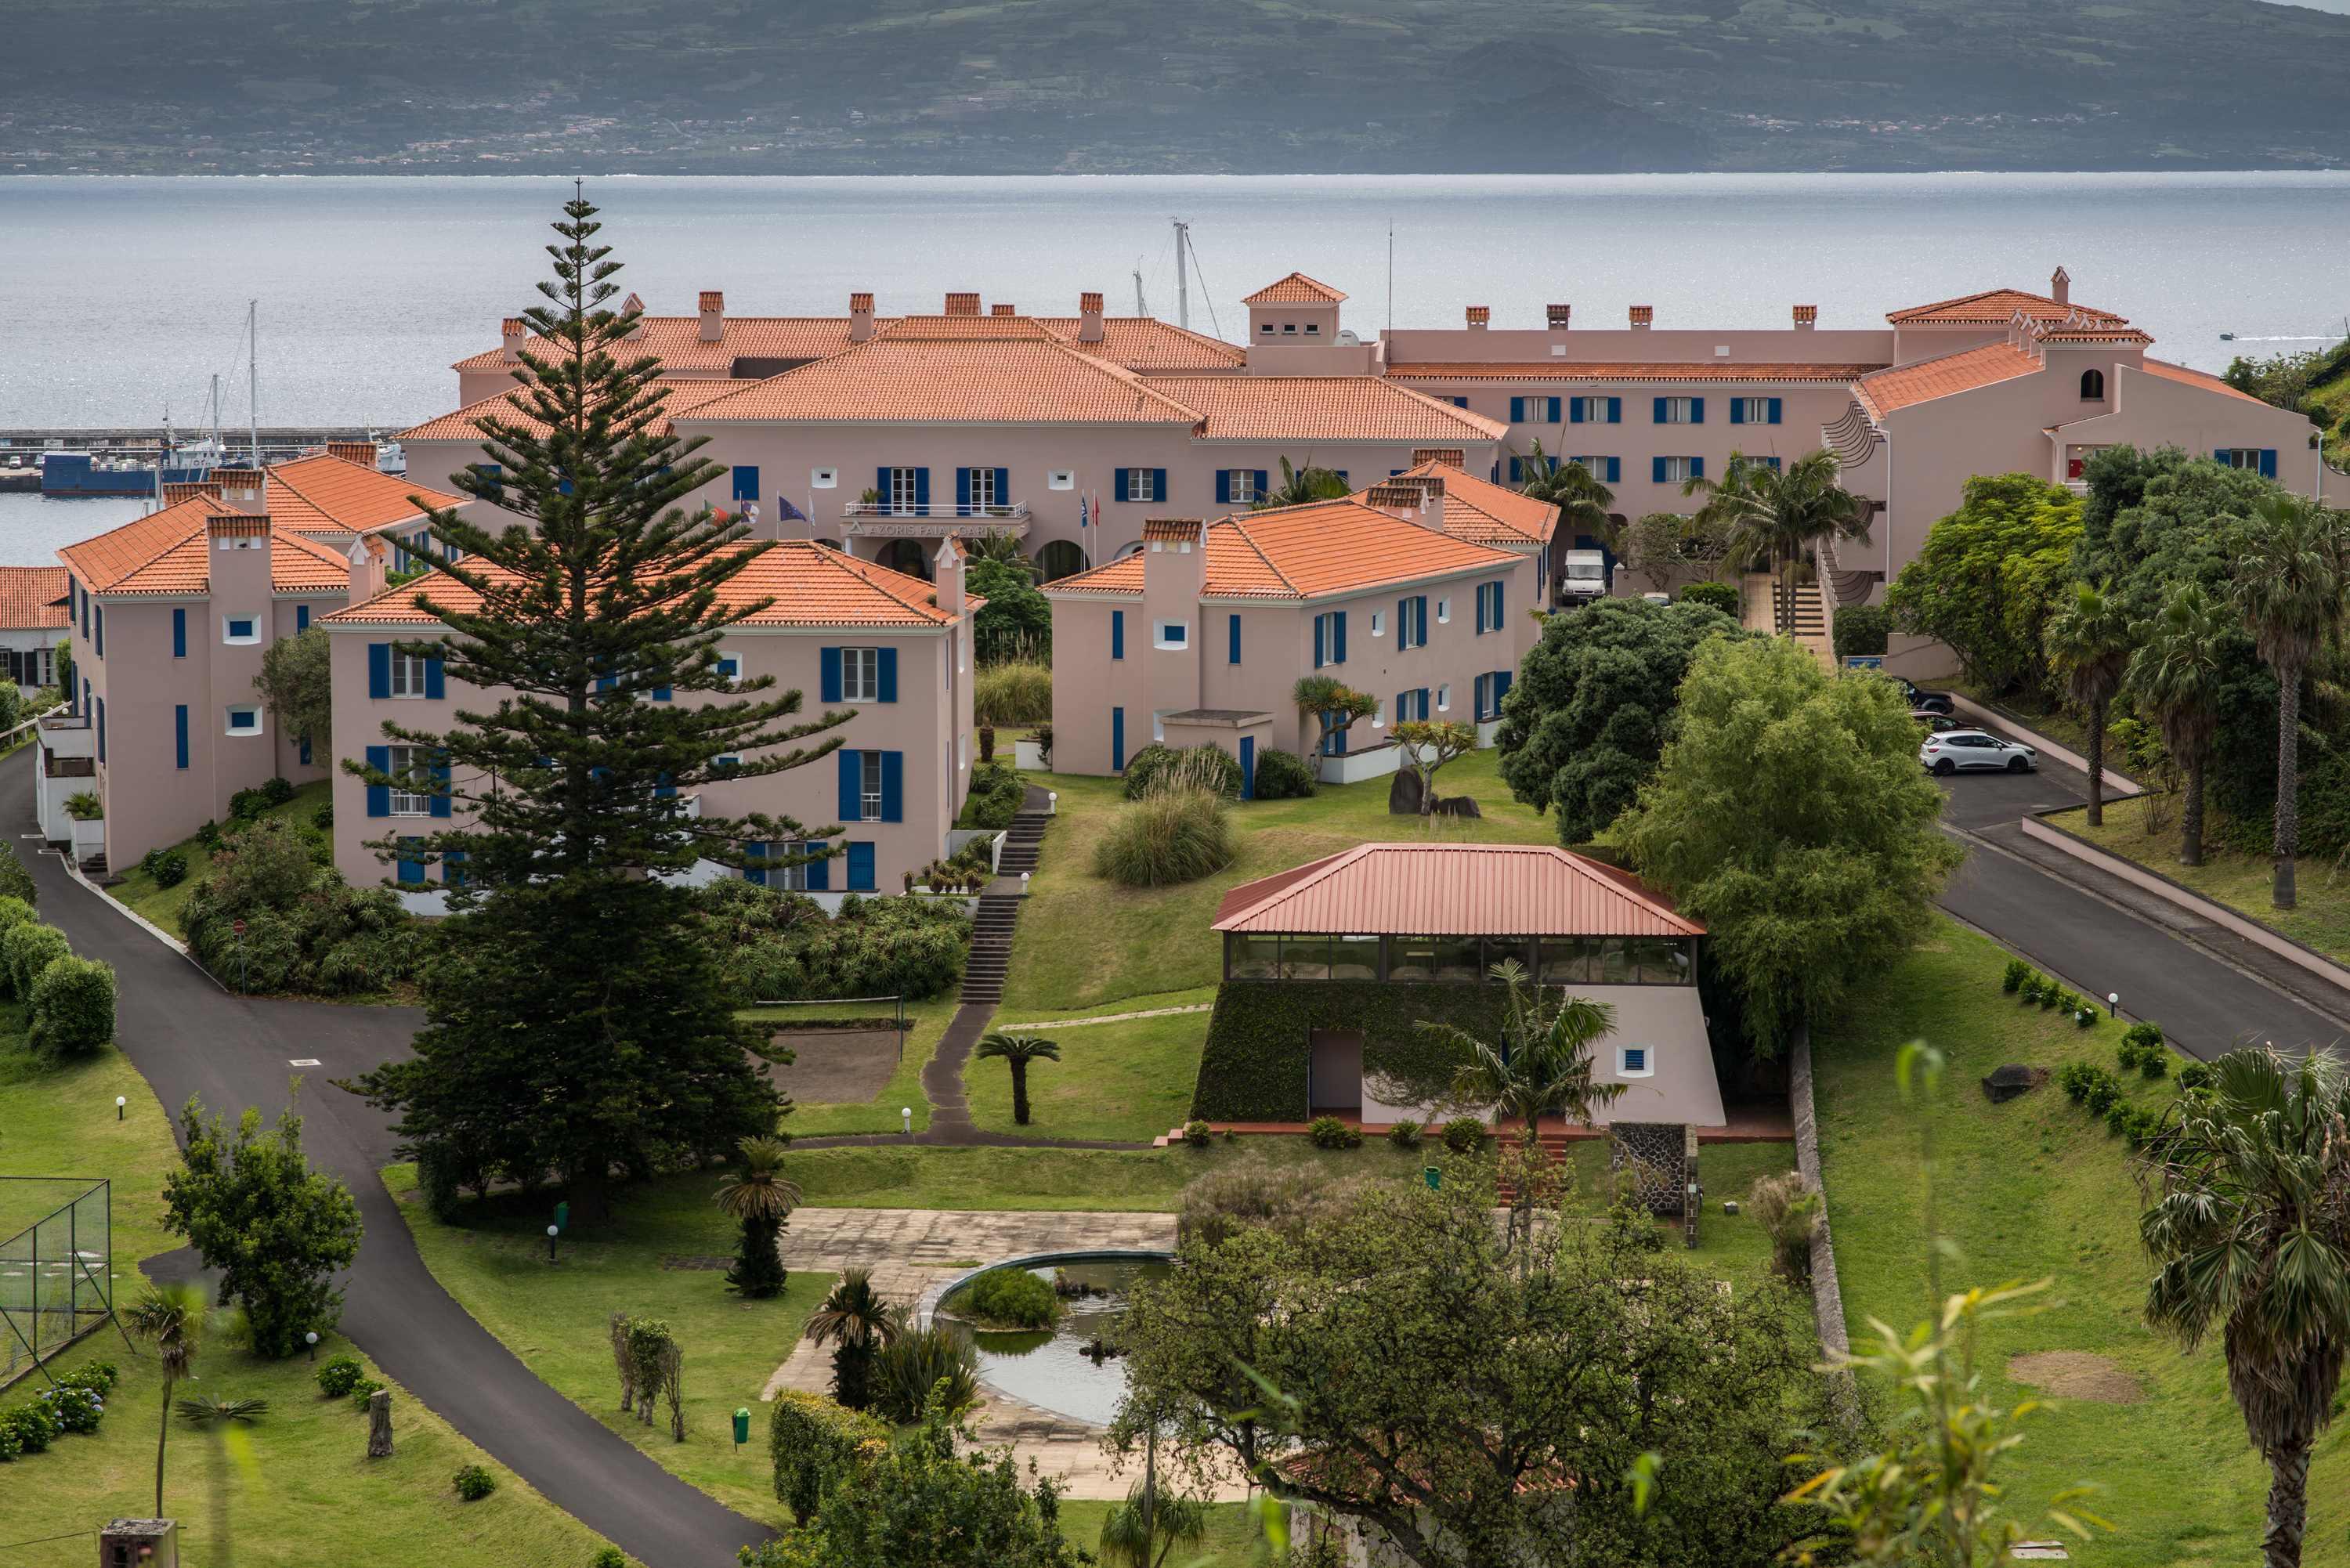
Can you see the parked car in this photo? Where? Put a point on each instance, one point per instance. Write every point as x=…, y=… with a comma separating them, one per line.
x=1930, y=701
x=1934, y=722
x=1958, y=750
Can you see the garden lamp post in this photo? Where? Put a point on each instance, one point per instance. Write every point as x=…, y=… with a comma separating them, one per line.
x=2113, y=1003
x=906, y=1120
x=552, y=1232
x=311, y=1340
x=120, y=1101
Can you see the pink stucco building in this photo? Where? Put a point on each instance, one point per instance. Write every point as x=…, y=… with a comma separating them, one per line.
x=892, y=651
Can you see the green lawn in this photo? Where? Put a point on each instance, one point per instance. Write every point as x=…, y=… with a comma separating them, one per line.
x=1234, y=1540
x=654, y=1260
x=2320, y=919
x=2033, y=1189
x=161, y=904
x=904, y=1089
x=1084, y=942
x=1131, y=1081
x=313, y=1495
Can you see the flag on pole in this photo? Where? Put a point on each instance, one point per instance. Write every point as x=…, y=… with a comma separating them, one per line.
x=1081, y=513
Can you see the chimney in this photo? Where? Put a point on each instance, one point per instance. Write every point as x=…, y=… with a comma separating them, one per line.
x=861, y=317
x=1806, y=317
x=1000, y=308
x=244, y=490
x=173, y=493
x=635, y=305
x=714, y=315
x=1089, y=317
x=2059, y=286
x=1557, y=316
x=366, y=570
x=1174, y=567
x=511, y=332
x=1479, y=316
x=1449, y=456
x=358, y=451
x=947, y=578
x=1420, y=501
x=1644, y=317
x=963, y=304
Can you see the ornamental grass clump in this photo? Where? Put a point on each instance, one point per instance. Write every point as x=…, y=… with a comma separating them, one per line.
x=1015, y=693
x=1179, y=831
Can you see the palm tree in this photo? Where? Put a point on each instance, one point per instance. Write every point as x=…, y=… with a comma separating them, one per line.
x=1016, y=1051
x=857, y=1322
x=1582, y=501
x=995, y=548
x=173, y=1321
x=761, y=1200
x=1150, y=1523
x=219, y=1416
x=2088, y=644
x=2175, y=676
x=2250, y=1236
x=2288, y=588
x=1772, y=515
x=1301, y=487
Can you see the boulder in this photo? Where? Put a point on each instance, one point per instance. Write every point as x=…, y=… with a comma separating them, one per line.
x=1457, y=805
x=1403, y=792
x=2003, y=1083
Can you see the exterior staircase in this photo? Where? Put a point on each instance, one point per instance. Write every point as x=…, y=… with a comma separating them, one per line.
x=1804, y=617
x=999, y=907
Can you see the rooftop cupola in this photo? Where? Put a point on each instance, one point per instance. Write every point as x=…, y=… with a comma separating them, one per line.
x=1807, y=316
x=1644, y=317
x=714, y=315
x=367, y=569
x=1558, y=315
x=1480, y=318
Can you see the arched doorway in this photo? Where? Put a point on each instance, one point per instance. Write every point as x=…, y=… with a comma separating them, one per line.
x=906, y=556
x=1060, y=558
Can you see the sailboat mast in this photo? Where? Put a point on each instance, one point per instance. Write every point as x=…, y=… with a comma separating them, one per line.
x=1182, y=278
x=253, y=376
x=218, y=450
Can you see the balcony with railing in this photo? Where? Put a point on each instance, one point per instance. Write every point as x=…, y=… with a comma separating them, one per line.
x=933, y=520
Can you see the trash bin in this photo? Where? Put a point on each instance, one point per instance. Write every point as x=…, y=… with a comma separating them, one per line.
x=741, y=1427
x=1434, y=1177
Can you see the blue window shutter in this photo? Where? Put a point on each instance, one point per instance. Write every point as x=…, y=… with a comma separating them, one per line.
x=179, y=732
x=179, y=634
x=662, y=693
x=441, y=802
x=819, y=872
x=746, y=481
x=662, y=788
x=1696, y=410
x=301, y=617
x=1119, y=486
x=1776, y=405
x=1517, y=474
x=1575, y=413
x=452, y=869
x=1614, y=470
x=379, y=669
x=962, y=493
x=1401, y=710
x=2220, y=455
x=1501, y=687
x=1499, y=588
x=1738, y=410
x=1659, y=415
x=1263, y=476
x=436, y=682
x=1460, y=403
x=1553, y=411
x=882, y=487
x=1118, y=633
x=1615, y=410
x=753, y=851
x=1403, y=623
x=888, y=660
x=860, y=866
x=1233, y=656
x=922, y=490
x=851, y=802
x=1321, y=641
x=305, y=751
x=1419, y=621
x=411, y=872
x=1338, y=638
x=1224, y=487
x=2268, y=469
x=379, y=796
x=1657, y=470
x=1158, y=485
x=828, y=663
x=893, y=786
x=1117, y=739
x=1003, y=487
x=1419, y=703
x=100, y=638
x=1517, y=411
x=1697, y=468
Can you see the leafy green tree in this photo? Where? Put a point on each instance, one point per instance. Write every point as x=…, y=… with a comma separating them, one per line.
x=1773, y=516
x=296, y=683
x=1586, y=718
x=1583, y=501
x=1017, y=1052
x=1301, y=487
x=1652, y=544
x=577, y=1026
x=1429, y=746
x=2176, y=676
x=2249, y=1238
x=857, y=1322
x=1016, y=622
x=15, y=882
x=1990, y=575
x=759, y=1199
x=1331, y=703
x=2288, y=587
x=2089, y=641
x=172, y=1320
x=1789, y=817
x=275, y=1229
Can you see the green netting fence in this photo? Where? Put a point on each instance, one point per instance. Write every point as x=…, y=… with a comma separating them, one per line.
x=56, y=1279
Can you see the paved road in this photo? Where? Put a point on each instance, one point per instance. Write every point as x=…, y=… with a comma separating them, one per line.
x=188, y=1037
x=2205, y=1004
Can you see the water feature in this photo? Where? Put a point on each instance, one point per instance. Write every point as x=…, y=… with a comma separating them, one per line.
x=1069, y=1369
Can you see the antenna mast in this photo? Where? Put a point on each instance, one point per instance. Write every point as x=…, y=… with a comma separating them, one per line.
x=1182, y=278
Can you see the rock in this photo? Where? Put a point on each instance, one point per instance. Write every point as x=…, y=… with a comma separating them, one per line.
x=1457, y=805
x=1403, y=792
x=2003, y=1083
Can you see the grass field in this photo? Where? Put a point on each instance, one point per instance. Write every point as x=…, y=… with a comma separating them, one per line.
x=904, y=1089
x=1084, y=942
x=313, y=1495
x=2320, y=919
x=1131, y=1081
x=161, y=904
x=2029, y=1189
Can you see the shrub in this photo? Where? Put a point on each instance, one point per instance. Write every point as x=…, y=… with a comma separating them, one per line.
x=2196, y=1076
x=26, y=950
x=2085, y=1016
x=35, y=1425
x=910, y=1366
x=2154, y=1061
x=15, y=882
x=609, y=1557
x=11, y=1445
x=2104, y=1092
x=1862, y=629
x=246, y=805
x=1009, y=1298
x=809, y=1437
x=306, y=929
x=1329, y=1132
x=1169, y=837
x=1196, y=1133
x=77, y=1409
x=1284, y=776
x=276, y=790
x=1723, y=596
x=363, y=1391
x=209, y=835
x=1789, y=1214
x=73, y=1008
x=2029, y=992
x=338, y=1375
x=1464, y=1134
x=14, y=912
x=2018, y=971
x=1404, y=1133
x=2073, y=1078
x=782, y=946
x=83, y=806
x=997, y=792
x=1013, y=694
x=323, y=819
x=1255, y=1192
x=169, y=870
x=1206, y=766
x=2050, y=994
x=98, y=1376
x=473, y=1483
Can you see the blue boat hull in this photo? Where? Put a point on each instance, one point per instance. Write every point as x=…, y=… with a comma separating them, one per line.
x=75, y=474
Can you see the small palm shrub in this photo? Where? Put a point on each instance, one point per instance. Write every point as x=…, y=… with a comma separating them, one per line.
x=910, y=1366
x=1329, y=1132
x=474, y=1483
x=1013, y=694
x=1284, y=776
x=338, y=1375
x=1008, y=1298
x=1464, y=1134
x=83, y=806
x=1175, y=834
x=2018, y=971
x=1789, y=1214
x=1404, y=1133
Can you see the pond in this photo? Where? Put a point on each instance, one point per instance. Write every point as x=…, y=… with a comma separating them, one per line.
x=1055, y=1369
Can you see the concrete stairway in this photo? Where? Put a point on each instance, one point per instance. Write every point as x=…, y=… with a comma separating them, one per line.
x=999, y=907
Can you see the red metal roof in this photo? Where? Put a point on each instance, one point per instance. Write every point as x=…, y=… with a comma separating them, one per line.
x=1453, y=890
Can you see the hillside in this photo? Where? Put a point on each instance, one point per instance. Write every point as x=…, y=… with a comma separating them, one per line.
x=1137, y=86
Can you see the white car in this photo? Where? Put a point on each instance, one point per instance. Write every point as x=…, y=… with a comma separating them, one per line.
x=1955, y=749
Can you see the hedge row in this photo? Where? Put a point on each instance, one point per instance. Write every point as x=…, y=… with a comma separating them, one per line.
x=807, y=1438
x=69, y=1002
x=1260, y=1040
x=77, y=1404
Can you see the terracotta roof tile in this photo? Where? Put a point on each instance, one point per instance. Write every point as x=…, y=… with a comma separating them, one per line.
x=2204, y=380
x=106, y=559
x=28, y=596
x=1906, y=385
x=1308, y=552
x=1137, y=342
x=1995, y=308
x=1622, y=370
x=1453, y=889
x=999, y=381
x=1144, y=343
x=1295, y=289
x=1512, y=513
x=461, y=424
x=347, y=498
x=169, y=553
x=811, y=586
x=1323, y=407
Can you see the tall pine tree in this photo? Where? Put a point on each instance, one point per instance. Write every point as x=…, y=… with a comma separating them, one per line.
x=576, y=1023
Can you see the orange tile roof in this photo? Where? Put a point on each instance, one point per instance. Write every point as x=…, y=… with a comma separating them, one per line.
x=1904, y=385
x=1144, y=343
x=168, y=553
x=1996, y=307
x=29, y=595
x=1515, y=511
x=1322, y=408
x=1308, y=552
x=1453, y=890
x=683, y=393
x=810, y=585
x=347, y=498
x=2203, y=379
x=2091, y=335
x=105, y=559
x=1622, y=370
x=1294, y=289
x=1137, y=342
x=955, y=328
x=1000, y=380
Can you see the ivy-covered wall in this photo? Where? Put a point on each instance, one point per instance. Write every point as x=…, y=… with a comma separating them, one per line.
x=1260, y=1040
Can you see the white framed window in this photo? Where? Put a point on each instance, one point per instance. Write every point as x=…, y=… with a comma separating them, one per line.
x=1443, y=611
x=1289, y=327
x=1379, y=717
x=726, y=762
x=1158, y=725
x=408, y=760
x=824, y=479
x=1061, y=479
x=983, y=490
x=1142, y=484
x=905, y=491
x=790, y=879
x=2240, y=457
x=1240, y=485
x=1172, y=635
x=1751, y=411
x=869, y=781
x=407, y=674
x=1677, y=410
x=1589, y=410
x=1312, y=327
x=1379, y=623
x=245, y=720
x=730, y=667
x=1636, y=1061
x=860, y=679
x=1678, y=470
x=239, y=630
x=1444, y=697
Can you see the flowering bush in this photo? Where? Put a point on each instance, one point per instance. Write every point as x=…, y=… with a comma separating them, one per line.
x=77, y=1409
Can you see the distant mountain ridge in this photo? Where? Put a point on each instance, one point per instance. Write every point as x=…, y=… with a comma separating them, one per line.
x=1144, y=87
